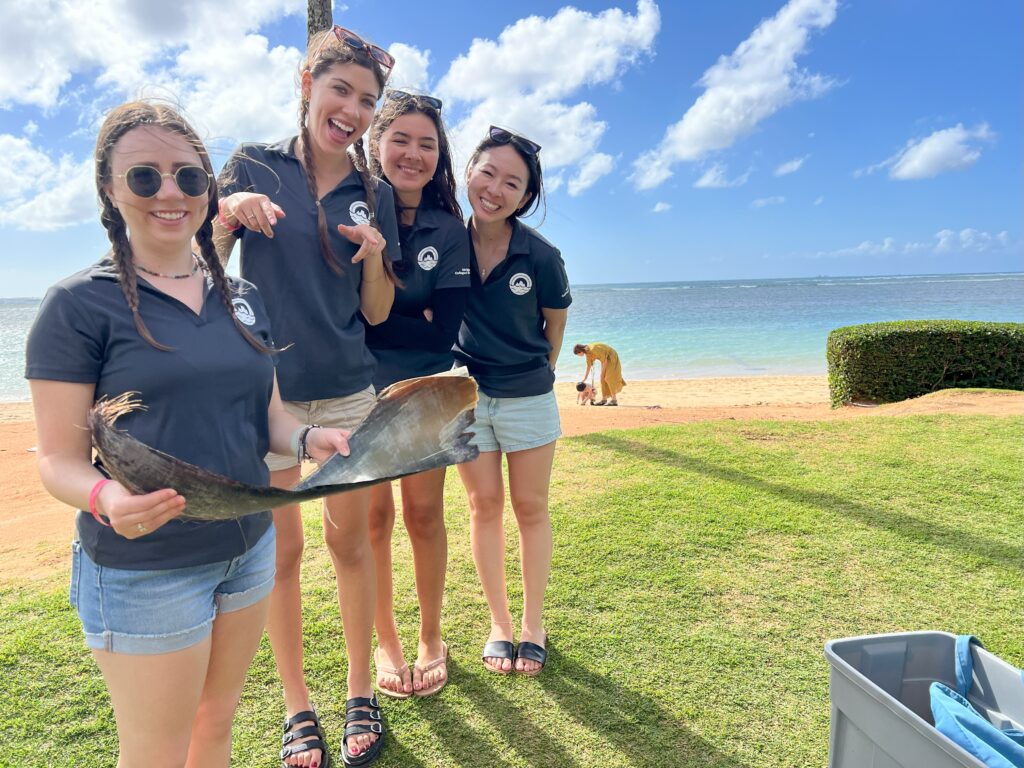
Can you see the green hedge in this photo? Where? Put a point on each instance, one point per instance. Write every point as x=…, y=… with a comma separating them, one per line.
x=887, y=362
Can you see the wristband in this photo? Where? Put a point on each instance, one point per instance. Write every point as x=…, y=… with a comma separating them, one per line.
x=301, y=452
x=223, y=219
x=93, y=495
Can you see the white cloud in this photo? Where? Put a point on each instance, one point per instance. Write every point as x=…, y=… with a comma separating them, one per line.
x=661, y=208
x=512, y=81
x=591, y=169
x=945, y=241
x=761, y=202
x=791, y=166
x=117, y=42
x=411, y=68
x=31, y=128
x=716, y=177
x=950, y=149
x=758, y=79
x=39, y=193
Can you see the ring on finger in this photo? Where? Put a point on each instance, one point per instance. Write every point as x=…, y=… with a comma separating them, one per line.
x=141, y=528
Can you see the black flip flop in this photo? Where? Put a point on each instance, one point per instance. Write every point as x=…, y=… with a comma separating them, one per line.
x=532, y=652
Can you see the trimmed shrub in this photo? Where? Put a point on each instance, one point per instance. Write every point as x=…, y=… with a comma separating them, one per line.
x=888, y=362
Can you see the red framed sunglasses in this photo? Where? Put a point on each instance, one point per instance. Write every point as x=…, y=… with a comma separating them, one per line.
x=352, y=40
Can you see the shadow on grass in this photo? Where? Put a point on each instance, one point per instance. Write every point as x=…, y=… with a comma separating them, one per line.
x=890, y=520
x=636, y=726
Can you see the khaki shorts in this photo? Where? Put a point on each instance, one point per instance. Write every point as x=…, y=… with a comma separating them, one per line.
x=339, y=412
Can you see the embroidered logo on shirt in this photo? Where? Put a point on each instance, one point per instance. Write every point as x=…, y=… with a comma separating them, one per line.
x=243, y=312
x=464, y=272
x=427, y=258
x=360, y=212
x=520, y=283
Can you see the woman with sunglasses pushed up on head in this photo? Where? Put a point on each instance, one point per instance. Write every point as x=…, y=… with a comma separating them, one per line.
x=173, y=609
x=409, y=149
x=510, y=338
x=313, y=225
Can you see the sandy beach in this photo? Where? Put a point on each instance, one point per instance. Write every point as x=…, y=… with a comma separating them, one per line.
x=35, y=529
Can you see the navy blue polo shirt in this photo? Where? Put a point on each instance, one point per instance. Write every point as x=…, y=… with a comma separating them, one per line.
x=312, y=308
x=206, y=399
x=435, y=258
x=502, y=339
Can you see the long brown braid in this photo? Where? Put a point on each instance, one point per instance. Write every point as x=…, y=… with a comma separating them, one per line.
x=330, y=52
x=120, y=121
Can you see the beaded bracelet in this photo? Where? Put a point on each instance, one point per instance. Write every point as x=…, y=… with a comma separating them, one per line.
x=93, y=496
x=302, y=453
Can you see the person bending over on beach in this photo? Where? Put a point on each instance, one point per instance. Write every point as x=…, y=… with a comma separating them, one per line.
x=172, y=609
x=409, y=150
x=510, y=340
x=313, y=225
x=585, y=393
x=611, y=370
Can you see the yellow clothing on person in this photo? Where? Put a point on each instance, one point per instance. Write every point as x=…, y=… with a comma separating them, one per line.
x=611, y=369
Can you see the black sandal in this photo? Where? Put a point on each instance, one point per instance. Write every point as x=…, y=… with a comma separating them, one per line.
x=289, y=749
x=353, y=727
x=498, y=649
x=532, y=652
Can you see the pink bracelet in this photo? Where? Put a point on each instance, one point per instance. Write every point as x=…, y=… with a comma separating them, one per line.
x=93, y=495
x=223, y=219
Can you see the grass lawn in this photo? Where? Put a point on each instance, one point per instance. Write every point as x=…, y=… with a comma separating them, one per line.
x=698, y=571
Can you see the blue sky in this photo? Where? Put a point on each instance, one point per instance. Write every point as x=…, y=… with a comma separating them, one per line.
x=682, y=140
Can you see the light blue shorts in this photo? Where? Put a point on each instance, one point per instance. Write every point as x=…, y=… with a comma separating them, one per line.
x=148, y=612
x=510, y=424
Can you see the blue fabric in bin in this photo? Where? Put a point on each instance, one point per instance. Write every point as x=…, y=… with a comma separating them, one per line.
x=960, y=722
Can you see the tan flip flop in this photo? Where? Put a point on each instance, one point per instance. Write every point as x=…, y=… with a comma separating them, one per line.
x=384, y=669
x=433, y=665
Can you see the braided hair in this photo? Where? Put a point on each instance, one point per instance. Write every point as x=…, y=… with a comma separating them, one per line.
x=118, y=122
x=330, y=51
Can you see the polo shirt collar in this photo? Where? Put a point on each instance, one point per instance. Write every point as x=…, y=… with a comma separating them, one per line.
x=286, y=148
x=520, y=242
x=428, y=218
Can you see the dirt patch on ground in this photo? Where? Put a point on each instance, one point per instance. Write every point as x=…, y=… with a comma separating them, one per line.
x=35, y=530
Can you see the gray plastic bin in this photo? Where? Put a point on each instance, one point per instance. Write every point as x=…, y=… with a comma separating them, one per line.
x=881, y=716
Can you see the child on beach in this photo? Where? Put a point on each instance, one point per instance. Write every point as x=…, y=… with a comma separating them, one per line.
x=510, y=340
x=313, y=225
x=409, y=150
x=172, y=610
x=611, y=370
x=585, y=393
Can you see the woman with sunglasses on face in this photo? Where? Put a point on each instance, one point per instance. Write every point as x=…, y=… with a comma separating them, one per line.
x=172, y=609
x=409, y=149
x=510, y=340
x=307, y=212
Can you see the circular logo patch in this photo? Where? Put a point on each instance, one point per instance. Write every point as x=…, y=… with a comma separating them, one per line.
x=520, y=283
x=360, y=212
x=243, y=311
x=427, y=258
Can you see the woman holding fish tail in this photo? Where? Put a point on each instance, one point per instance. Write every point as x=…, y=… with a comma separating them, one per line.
x=307, y=212
x=173, y=610
x=409, y=149
x=509, y=340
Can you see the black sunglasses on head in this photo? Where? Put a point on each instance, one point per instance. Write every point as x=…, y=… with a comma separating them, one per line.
x=145, y=180
x=430, y=101
x=354, y=41
x=505, y=136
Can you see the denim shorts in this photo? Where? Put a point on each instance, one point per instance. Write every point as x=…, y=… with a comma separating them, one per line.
x=148, y=612
x=510, y=424
x=338, y=412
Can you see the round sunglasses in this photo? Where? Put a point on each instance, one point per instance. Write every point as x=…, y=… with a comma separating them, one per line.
x=145, y=180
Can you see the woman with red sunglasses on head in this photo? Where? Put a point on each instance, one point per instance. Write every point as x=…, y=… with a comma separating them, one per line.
x=409, y=149
x=313, y=225
x=173, y=609
x=510, y=339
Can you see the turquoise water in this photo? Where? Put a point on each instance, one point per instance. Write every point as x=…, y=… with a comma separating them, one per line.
x=694, y=329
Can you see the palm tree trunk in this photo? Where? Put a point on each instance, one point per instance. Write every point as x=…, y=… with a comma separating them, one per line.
x=318, y=17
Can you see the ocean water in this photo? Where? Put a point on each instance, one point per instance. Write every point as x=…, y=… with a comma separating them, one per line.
x=703, y=328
